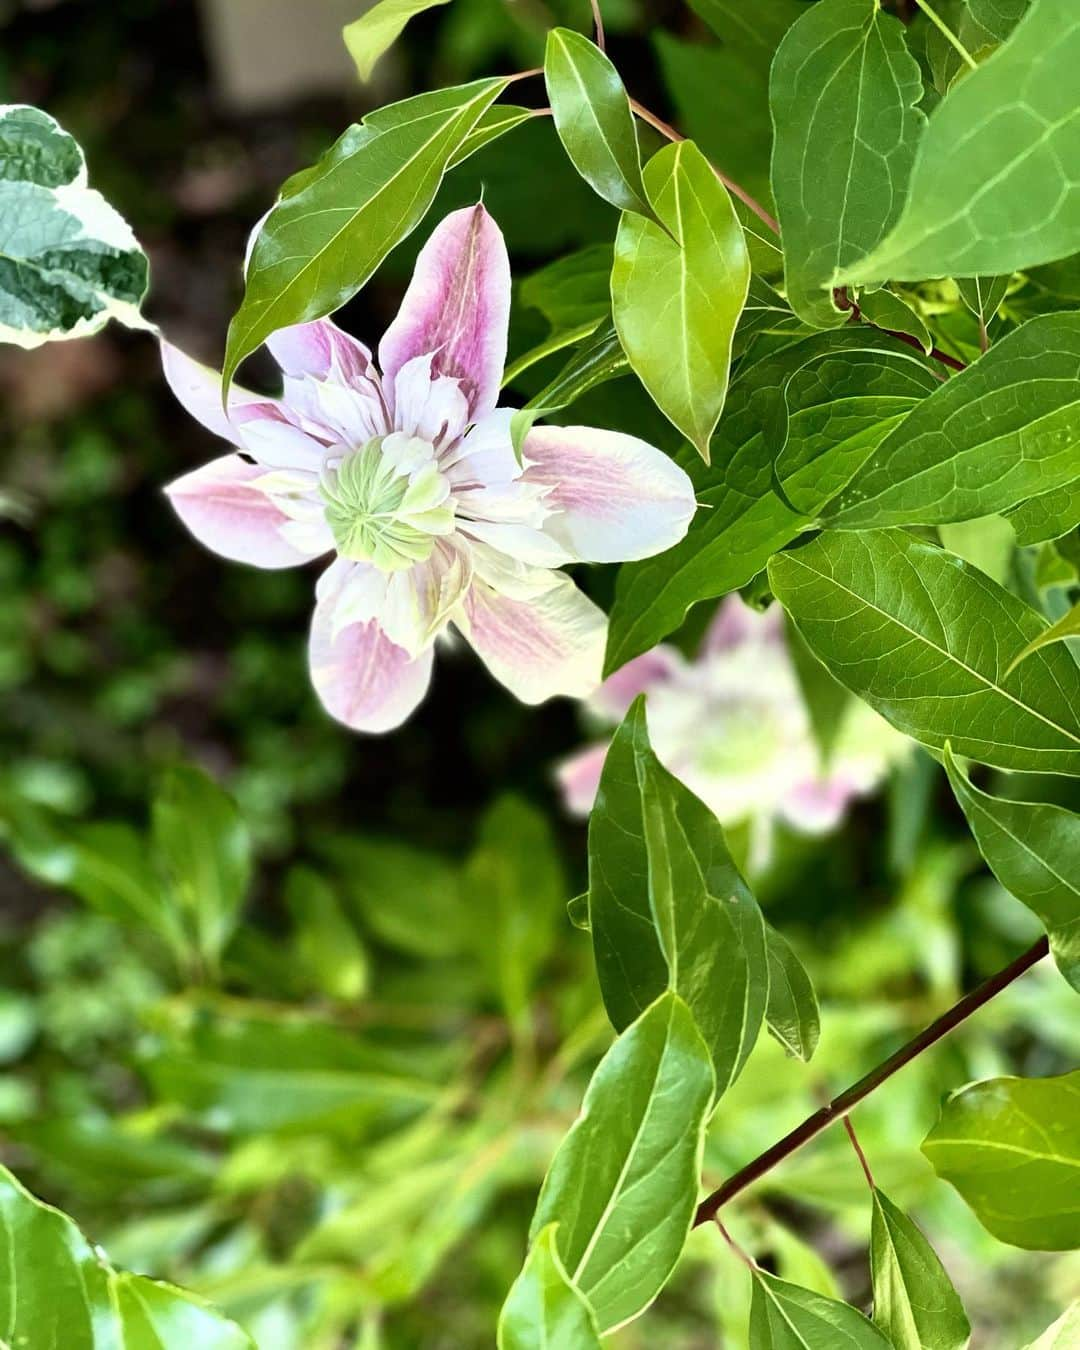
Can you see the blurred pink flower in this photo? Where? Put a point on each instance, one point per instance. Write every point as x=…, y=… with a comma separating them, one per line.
x=732, y=725
x=407, y=474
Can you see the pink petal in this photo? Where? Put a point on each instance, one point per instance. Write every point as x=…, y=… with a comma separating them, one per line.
x=817, y=805
x=228, y=515
x=539, y=645
x=638, y=676
x=457, y=306
x=362, y=678
x=735, y=623
x=427, y=405
x=579, y=778
x=198, y=389
x=616, y=498
x=321, y=349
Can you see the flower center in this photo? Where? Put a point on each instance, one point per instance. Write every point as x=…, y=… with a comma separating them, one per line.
x=387, y=501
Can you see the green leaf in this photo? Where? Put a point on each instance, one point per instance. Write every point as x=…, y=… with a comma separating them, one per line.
x=324, y=940
x=204, y=849
x=803, y=418
x=983, y=295
x=677, y=294
x=844, y=91
x=1011, y=1147
x=516, y=892
x=623, y=1184
x=923, y=638
x=792, y=1012
x=1047, y=516
x=68, y=262
x=827, y=701
x=571, y=291
x=1064, y=1334
x=593, y=118
x=336, y=222
x=599, y=359
x=376, y=30
x=59, y=1291
x=1032, y=848
x=915, y=1303
x=998, y=17
x=1068, y=626
x=785, y=1317
x=885, y=309
x=667, y=905
x=543, y=1309
x=993, y=189
x=1001, y=431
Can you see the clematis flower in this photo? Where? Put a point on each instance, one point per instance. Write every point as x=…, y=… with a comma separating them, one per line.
x=732, y=725
x=405, y=472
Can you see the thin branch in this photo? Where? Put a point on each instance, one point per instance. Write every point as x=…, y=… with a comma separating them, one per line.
x=858, y=1152
x=598, y=23
x=852, y=1096
x=844, y=301
x=744, y=1257
x=668, y=131
x=947, y=33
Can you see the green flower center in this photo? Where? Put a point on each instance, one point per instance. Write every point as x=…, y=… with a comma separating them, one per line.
x=387, y=502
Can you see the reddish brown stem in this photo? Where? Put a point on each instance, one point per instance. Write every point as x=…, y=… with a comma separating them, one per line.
x=598, y=23
x=858, y=1152
x=852, y=1096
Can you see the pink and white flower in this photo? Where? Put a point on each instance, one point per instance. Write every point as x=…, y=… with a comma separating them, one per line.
x=406, y=473
x=732, y=725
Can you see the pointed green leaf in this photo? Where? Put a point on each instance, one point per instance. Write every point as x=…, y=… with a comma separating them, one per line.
x=598, y=359
x=844, y=91
x=785, y=1317
x=593, y=118
x=376, y=30
x=623, y=1185
x=1047, y=516
x=1001, y=431
x=57, y=1290
x=915, y=1303
x=336, y=222
x=1064, y=1334
x=68, y=262
x=667, y=905
x=792, y=1012
x=1033, y=848
x=924, y=639
x=543, y=1310
x=885, y=309
x=996, y=180
x=983, y=295
x=803, y=418
x=677, y=296
x=1011, y=1147
x=1068, y=626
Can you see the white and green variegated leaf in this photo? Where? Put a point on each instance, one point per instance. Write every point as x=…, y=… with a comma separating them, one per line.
x=915, y=1303
x=1002, y=431
x=543, y=1309
x=996, y=182
x=798, y=424
x=623, y=1184
x=925, y=639
x=1033, y=849
x=68, y=261
x=58, y=1290
x=844, y=92
x=668, y=907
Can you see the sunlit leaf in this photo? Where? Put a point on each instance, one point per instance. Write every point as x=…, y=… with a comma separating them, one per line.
x=1011, y=1147
x=997, y=175
x=1047, y=516
x=924, y=638
x=915, y=1303
x=792, y=1012
x=844, y=91
x=378, y=28
x=1033, y=849
x=1068, y=626
x=1063, y=1334
x=785, y=1317
x=677, y=296
x=623, y=1184
x=543, y=1309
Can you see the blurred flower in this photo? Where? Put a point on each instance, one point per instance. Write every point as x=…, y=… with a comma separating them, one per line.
x=411, y=478
x=732, y=725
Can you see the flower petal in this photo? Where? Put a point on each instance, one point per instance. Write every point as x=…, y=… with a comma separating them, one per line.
x=321, y=349
x=614, y=498
x=198, y=389
x=225, y=509
x=362, y=678
x=427, y=405
x=457, y=307
x=579, y=778
x=540, y=645
x=736, y=623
